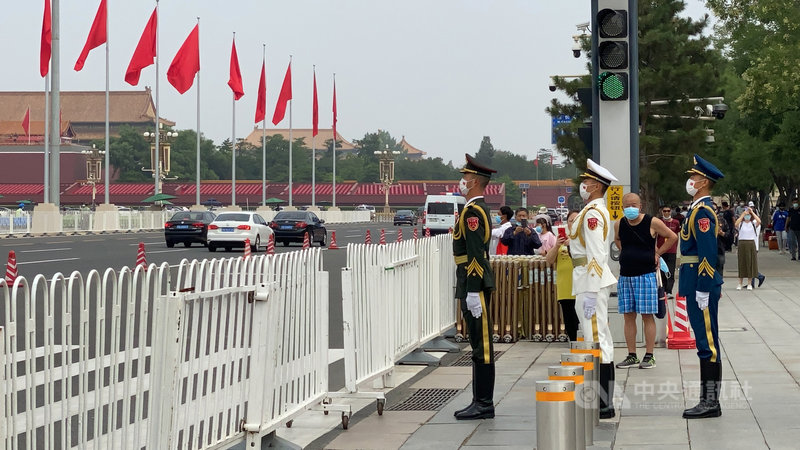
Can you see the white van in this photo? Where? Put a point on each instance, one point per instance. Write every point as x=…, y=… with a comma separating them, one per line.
x=441, y=212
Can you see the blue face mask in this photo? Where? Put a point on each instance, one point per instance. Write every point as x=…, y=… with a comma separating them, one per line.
x=747, y=217
x=631, y=213
x=539, y=229
x=497, y=219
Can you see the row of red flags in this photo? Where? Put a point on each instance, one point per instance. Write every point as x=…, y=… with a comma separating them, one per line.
x=182, y=70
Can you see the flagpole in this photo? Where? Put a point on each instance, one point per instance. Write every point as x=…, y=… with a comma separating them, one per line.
x=313, y=152
x=290, y=144
x=55, y=107
x=264, y=147
x=157, y=172
x=108, y=138
x=233, y=142
x=334, y=146
x=47, y=138
x=29, y=124
x=197, y=162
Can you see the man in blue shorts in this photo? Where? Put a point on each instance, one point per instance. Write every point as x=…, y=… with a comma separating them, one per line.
x=637, y=288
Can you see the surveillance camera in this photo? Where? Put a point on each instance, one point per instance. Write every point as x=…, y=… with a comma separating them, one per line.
x=576, y=52
x=552, y=88
x=710, y=136
x=576, y=45
x=719, y=110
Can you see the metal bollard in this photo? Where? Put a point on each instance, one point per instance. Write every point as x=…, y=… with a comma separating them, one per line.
x=589, y=393
x=592, y=348
x=555, y=415
x=575, y=374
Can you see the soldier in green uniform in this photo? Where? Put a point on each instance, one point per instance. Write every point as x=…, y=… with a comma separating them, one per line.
x=701, y=284
x=474, y=286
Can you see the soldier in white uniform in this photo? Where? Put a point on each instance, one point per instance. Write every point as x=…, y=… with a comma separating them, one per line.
x=591, y=236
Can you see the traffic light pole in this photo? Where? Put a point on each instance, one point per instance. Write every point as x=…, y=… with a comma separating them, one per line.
x=633, y=15
x=595, y=87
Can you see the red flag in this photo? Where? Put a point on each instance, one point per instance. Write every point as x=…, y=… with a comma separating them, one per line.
x=47, y=40
x=186, y=63
x=284, y=97
x=551, y=160
x=145, y=52
x=235, y=81
x=536, y=162
x=334, y=111
x=26, y=122
x=97, y=35
x=261, y=103
x=315, y=113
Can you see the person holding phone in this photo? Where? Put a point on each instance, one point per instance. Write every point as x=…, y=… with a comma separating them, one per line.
x=560, y=256
x=520, y=238
x=546, y=236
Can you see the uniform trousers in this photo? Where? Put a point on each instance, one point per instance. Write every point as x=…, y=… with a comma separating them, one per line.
x=480, y=330
x=596, y=329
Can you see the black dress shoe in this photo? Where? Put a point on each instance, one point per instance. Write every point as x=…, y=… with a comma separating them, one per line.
x=703, y=410
x=607, y=413
x=476, y=411
x=457, y=412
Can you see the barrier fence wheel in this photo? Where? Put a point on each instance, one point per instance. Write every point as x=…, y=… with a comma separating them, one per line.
x=495, y=338
x=381, y=404
x=289, y=424
x=459, y=337
x=326, y=401
x=345, y=421
x=507, y=339
x=549, y=338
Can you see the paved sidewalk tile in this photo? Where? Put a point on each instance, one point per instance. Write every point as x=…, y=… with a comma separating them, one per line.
x=446, y=378
x=441, y=436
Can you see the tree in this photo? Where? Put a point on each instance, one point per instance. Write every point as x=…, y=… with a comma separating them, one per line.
x=486, y=152
x=676, y=62
x=130, y=152
x=762, y=41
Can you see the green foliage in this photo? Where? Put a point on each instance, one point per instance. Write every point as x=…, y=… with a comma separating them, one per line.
x=762, y=42
x=129, y=153
x=513, y=193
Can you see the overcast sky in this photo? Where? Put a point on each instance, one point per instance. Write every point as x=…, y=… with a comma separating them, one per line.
x=443, y=73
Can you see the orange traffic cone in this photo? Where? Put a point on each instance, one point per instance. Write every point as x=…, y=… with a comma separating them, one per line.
x=333, y=245
x=368, y=239
x=141, y=259
x=399, y=235
x=416, y=234
x=271, y=245
x=11, y=268
x=681, y=336
x=427, y=232
x=306, y=243
x=246, y=248
x=383, y=237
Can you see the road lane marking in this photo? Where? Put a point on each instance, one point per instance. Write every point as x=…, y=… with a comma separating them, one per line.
x=93, y=240
x=150, y=243
x=46, y=250
x=20, y=263
x=168, y=251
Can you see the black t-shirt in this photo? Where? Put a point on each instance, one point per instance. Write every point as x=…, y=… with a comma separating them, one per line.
x=638, y=254
x=794, y=219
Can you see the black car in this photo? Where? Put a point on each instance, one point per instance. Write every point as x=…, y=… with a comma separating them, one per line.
x=292, y=226
x=405, y=216
x=188, y=227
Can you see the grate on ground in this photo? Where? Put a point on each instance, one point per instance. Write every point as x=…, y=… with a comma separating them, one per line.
x=425, y=400
x=466, y=358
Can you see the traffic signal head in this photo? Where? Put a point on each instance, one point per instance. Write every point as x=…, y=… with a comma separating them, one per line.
x=612, y=54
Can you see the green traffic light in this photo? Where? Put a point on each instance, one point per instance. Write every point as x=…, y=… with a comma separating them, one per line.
x=612, y=86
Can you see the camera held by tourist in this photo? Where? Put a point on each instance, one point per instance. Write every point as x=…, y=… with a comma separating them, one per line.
x=520, y=238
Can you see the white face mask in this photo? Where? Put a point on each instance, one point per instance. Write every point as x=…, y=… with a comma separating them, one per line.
x=462, y=186
x=690, y=189
x=584, y=193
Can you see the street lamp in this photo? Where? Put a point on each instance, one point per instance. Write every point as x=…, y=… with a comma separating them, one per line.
x=163, y=155
x=94, y=168
x=386, y=172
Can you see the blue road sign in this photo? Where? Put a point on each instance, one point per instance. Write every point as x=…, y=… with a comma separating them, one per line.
x=556, y=122
x=561, y=199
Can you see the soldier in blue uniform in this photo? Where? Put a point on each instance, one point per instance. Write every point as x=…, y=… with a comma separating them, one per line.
x=474, y=286
x=701, y=284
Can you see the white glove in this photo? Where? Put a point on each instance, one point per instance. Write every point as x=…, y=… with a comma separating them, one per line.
x=589, y=305
x=474, y=304
x=702, y=300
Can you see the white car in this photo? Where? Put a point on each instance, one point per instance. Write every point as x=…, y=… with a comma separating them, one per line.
x=369, y=208
x=230, y=229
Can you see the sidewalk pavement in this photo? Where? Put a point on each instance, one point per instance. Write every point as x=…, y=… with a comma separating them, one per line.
x=759, y=333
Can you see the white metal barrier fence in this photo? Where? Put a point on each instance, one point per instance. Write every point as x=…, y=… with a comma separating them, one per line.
x=123, y=361
x=394, y=298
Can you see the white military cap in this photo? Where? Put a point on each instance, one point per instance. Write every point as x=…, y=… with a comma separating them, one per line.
x=598, y=172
